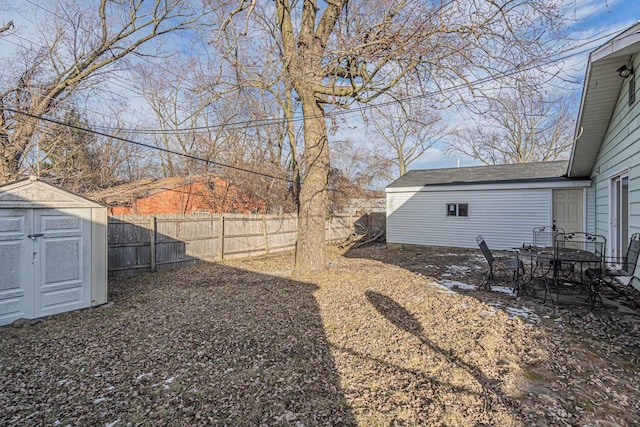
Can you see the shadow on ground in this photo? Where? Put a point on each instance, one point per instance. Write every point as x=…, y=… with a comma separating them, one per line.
x=401, y=318
x=205, y=345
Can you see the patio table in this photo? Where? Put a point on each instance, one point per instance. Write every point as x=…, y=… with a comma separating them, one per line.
x=547, y=264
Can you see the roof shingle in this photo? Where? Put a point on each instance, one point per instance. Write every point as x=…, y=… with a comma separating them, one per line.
x=511, y=173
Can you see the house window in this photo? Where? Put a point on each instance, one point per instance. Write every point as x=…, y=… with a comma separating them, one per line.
x=457, y=209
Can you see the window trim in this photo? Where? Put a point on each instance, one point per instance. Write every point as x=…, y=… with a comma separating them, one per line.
x=457, y=211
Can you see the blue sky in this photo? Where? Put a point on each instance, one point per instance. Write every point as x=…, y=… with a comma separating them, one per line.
x=592, y=19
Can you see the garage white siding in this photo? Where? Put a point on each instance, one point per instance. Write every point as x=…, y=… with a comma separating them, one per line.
x=505, y=218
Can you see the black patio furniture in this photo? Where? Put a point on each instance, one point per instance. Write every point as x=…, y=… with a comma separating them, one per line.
x=540, y=254
x=508, y=263
x=618, y=269
x=577, y=260
x=545, y=236
x=629, y=262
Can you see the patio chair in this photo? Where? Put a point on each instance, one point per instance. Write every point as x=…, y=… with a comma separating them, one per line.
x=630, y=260
x=609, y=275
x=508, y=263
x=579, y=262
x=545, y=236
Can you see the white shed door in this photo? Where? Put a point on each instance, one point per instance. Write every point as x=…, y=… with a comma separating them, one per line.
x=16, y=279
x=54, y=263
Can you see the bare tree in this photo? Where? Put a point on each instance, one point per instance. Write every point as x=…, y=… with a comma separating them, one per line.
x=406, y=131
x=356, y=169
x=188, y=117
x=79, y=46
x=6, y=27
x=519, y=127
x=341, y=51
x=256, y=67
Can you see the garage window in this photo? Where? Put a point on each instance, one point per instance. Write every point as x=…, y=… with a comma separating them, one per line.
x=457, y=209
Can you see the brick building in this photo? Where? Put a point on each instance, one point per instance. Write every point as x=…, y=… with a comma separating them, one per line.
x=179, y=195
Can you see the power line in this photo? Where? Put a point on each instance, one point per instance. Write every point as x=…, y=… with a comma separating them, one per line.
x=189, y=156
x=255, y=123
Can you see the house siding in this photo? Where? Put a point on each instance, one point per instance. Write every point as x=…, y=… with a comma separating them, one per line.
x=620, y=151
x=505, y=218
x=590, y=209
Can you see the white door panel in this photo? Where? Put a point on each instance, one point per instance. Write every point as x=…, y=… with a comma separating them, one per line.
x=45, y=261
x=16, y=281
x=568, y=210
x=63, y=260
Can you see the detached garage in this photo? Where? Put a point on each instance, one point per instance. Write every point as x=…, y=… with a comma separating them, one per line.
x=53, y=253
x=450, y=207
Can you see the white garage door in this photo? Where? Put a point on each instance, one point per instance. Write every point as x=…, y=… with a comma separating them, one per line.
x=46, y=257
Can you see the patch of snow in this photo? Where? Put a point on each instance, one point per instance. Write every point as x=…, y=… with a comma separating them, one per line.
x=144, y=375
x=112, y=424
x=503, y=290
x=446, y=275
x=99, y=400
x=454, y=284
x=169, y=380
x=522, y=312
x=458, y=269
x=61, y=382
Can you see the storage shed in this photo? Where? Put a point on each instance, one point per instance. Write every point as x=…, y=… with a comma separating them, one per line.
x=450, y=207
x=53, y=251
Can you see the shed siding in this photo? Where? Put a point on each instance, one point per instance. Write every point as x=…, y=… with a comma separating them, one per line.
x=505, y=218
x=620, y=151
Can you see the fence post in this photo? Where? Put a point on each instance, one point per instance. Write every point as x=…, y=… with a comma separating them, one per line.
x=153, y=224
x=351, y=226
x=266, y=236
x=221, y=238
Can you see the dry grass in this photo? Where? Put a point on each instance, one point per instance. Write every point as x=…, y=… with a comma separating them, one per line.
x=370, y=341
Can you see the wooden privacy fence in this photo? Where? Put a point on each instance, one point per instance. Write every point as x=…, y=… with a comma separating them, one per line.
x=140, y=244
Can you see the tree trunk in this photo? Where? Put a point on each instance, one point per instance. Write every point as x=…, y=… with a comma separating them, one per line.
x=9, y=164
x=312, y=205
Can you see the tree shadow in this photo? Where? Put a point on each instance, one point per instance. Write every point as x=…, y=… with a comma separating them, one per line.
x=204, y=345
x=401, y=318
x=433, y=261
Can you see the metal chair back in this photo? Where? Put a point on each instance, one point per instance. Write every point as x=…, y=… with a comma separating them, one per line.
x=593, y=243
x=633, y=253
x=485, y=249
x=545, y=236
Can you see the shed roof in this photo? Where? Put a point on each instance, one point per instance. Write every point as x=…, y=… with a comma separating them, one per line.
x=33, y=193
x=498, y=174
x=600, y=93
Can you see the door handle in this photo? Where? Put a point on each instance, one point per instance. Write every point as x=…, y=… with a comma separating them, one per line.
x=33, y=236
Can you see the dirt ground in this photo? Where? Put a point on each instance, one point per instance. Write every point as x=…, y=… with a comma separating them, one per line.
x=381, y=337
